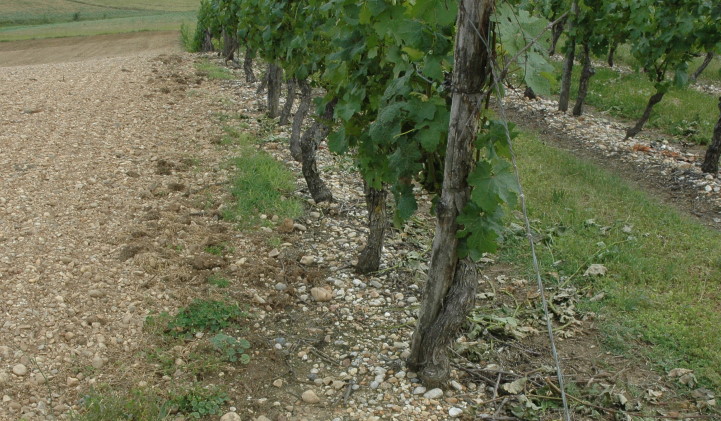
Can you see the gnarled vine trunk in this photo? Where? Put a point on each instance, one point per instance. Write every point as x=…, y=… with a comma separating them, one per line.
x=230, y=44
x=207, y=44
x=586, y=74
x=557, y=30
x=248, y=66
x=298, y=118
x=370, y=257
x=565, y=93
x=289, y=100
x=655, y=99
x=710, y=161
x=275, y=84
x=309, y=144
x=450, y=289
x=702, y=67
x=263, y=81
x=611, y=54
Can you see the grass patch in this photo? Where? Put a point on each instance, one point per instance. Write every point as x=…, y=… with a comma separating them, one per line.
x=261, y=185
x=684, y=113
x=137, y=404
x=143, y=22
x=219, y=249
x=202, y=315
x=213, y=70
x=148, y=405
x=663, y=283
x=219, y=281
x=35, y=12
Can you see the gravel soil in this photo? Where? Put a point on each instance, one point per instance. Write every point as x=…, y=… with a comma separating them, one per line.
x=98, y=162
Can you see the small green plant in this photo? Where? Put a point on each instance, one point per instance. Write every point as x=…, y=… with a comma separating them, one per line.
x=233, y=136
x=689, y=129
x=164, y=360
x=231, y=348
x=218, y=281
x=137, y=404
x=203, y=315
x=200, y=401
x=76, y=16
x=216, y=249
x=274, y=241
x=558, y=195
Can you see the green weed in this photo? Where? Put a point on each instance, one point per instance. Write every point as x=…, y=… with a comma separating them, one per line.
x=200, y=402
x=219, y=281
x=230, y=348
x=218, y=249
x=214, y=71
x=261, y=185
x=137, y=404
x=662, y=288
x=203, y=315
x=148, y=405
x=187, y=38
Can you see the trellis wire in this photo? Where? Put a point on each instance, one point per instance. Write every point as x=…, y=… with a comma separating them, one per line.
x=529, y=235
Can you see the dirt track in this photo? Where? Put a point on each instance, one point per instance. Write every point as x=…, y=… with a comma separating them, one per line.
x=59, y=50
x=99, y=161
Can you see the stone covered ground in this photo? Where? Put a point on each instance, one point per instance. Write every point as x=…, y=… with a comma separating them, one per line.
x=113, y=182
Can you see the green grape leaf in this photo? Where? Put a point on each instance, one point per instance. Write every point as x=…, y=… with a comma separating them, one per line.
x=433, y=11
x=337, y=141
x=480, y=232
x=388, y=124
x=405, y=203
x=420, y=111
x=538, y=73
x=494, y=183
x=433, y=67
x=413, y=54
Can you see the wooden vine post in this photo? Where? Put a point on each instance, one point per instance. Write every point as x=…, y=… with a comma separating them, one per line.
x=450, y=289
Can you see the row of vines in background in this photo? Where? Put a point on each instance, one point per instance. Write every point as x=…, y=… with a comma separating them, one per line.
x=664, y=37
x=381, y=81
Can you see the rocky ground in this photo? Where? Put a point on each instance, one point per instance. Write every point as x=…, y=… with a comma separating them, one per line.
x=113, y=182
x=666, y=166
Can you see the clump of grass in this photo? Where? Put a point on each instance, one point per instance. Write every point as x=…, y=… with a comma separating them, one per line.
x=261, y=185
x=213, y=70
x=145, y=404
x=188, y=39
x=219, y=281
x=663, y=286
x=137, y=404
x=218, y=249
